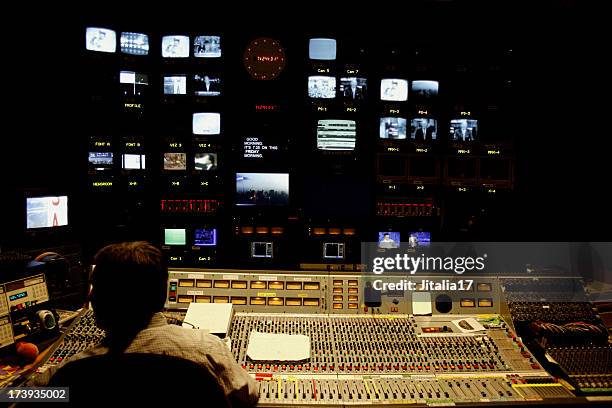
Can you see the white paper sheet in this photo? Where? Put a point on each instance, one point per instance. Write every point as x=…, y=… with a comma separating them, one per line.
x=465, y=324
x=278, y=347
x=421, y=303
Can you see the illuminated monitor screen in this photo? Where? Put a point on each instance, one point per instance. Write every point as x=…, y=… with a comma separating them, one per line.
x=206, y=123
x=262, y=189
x=134, y=43
x=205, y=237
x=322, y=49
x=133, y=161
x=322, y=87
x=423, y=129
x=392, y=128
x=389, y=239
x=175, y=85
x=353, y=88
x=336, y=134
x=394, y=90
x=46, y=212
x=425, y=89
x=333, y=250
x=206, y=85
x=175, y=46
x=206, y=161
x=133, y=83
x=100, y=160
x=207, y=46
x=464, y=130
x=175, y=236
x=261, y=249
x=100, y=39
x=175, y=161
x=417, y=239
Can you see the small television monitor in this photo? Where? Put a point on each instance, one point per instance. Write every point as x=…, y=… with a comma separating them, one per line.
x=322, y=87
x=333, y=250
x=261, y=249
x=134, y=43
x=46, y=212
x=464, y=130
x=175, y=85
x=419, y=239
x=392, y=128
x=206, y=85
x=175, y=236
x=461, y=168
x=207, y=46
x=100, y=39
x=425, y=89
x=423, y=166
x=205, y=237
x=393, y=90
x=175, y=46
x=422, y=129
x=495, y=169
x=254, y=189
x=388, y=239
x=336, y=134
x=133, y=162
x=133, y=83
x=206, y=123
x=322, y=49
x=390, y=165
x=100, y=160
x=353, y=88
x=206, y=161
x=175, y=161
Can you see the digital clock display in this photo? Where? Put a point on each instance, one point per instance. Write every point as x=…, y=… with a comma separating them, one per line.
x=19, y=295
x=264, y=59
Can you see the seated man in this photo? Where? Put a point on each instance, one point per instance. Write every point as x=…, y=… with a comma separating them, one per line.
x=142, y=328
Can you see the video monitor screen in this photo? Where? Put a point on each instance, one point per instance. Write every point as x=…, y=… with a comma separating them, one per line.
x=336, y=134
x=422, y=129
x=389, y=239
x=206, y=123
x=207, y=46
x=262, y=189
x=100, y=160
x=322, y=87
x=392, y=166
x=418, y=239
x=100, y=39
x=464, y=130
x=393, y=128
x=322, y=49
x=353, y=88
x=175, y=85
x=206, y=161
x=205, y=237
x=494, y=169
x=394, y=90
x=134, y=43
x=262, y=147
x=45, y=212
x=425, y=89
x=205, y=85
x=333, y=250
x=133, y=161
x=422, y=166
x=261, y=249
x=461, y=168
x=175, y=161
x=175, y=46
x=175, y=236
x=132, y=83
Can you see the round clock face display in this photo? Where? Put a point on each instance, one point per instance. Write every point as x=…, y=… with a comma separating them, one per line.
x=264, y=59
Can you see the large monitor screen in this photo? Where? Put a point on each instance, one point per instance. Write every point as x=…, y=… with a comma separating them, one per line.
x=206, y=123
x=322, y=87
x=175, y=46
x=175, y=85
x=133, y=83
x=464, y=130
x=206, y=161
x=175, y=161
x=100, y=160
x=417, y=239
x=134, y=43
x=392, y=128
x=262, y=189
x=394, y=90
x=423, y=129
x=333, y=250
x=205, y=237
x=322, y=49
x=353, y=88
x=175, y=236
x=133, y=161
x=389, y=239
x=206, y=85
x=207, y=46
x=100, y=39
x=45, y=212
x=425, y=89
x=336, y=134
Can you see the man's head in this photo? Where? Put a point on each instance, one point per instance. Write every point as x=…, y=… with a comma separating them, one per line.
x=386, y=236
x=207, y=159
x=135, y=269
